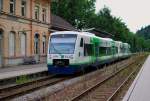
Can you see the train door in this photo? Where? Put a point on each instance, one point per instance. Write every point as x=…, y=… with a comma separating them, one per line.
x=96, y=50
x=37, y=47
x=1, y=48
x=81, y=52
x=113, y=49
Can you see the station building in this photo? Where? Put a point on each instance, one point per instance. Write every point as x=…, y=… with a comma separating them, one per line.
x=24, y=30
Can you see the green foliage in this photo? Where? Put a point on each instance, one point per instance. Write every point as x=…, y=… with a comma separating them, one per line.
x=144, y=32
x=22, y=79
x=81, y=14
x=76, y=12
x=144, y=37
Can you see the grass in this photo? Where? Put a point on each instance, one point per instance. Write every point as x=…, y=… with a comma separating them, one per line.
x=22, y=79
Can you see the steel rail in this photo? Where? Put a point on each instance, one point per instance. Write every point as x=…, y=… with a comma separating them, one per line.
x=111, y=98
x=13, y=91
x=26, y=83
x=79, y=96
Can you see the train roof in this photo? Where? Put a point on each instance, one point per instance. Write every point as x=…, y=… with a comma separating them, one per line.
x=89, y=35
x=127, y=45
x=74, y=32
x=82, y=33
x=118, y=41
x=109, y=39
x=65, y=32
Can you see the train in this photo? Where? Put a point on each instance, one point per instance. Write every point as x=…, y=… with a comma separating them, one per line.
x=70, y=52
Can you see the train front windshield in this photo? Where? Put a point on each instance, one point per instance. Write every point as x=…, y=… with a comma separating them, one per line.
x=62, y=44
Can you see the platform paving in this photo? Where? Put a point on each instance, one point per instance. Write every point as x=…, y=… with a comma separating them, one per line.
x=140, y=88
x=10, y=72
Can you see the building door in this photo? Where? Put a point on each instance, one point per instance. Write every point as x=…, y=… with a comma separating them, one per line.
x=37, y=47
x=1, y=48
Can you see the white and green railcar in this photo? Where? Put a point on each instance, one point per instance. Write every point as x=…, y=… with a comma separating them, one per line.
x=70, y=52
x=126, y=50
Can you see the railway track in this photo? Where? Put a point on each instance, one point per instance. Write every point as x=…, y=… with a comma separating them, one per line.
x=108, y=89
x=10, y=92
x=20, y=89
x=114, y=95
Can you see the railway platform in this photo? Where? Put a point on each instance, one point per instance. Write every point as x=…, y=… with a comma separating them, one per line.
x=140, y=88
x=11, y=72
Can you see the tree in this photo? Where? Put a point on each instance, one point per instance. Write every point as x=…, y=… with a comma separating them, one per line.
x=77, y=12
x=81, y=14
x=144, y=32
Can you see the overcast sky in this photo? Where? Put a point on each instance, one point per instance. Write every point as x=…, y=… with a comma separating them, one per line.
x=135, y=13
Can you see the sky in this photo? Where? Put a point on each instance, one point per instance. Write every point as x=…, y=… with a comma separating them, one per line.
x=135, y=13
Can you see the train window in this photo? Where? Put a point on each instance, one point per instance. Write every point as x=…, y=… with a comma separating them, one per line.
x=102, y=51
x=116, y=50
x=62, y=44
x=121, y=49
x=64, y=36
x=113, y=49
x=81, y=42
x=108, y=51
x=88, y=50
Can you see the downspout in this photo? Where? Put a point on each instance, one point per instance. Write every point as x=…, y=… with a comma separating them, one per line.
x=31, y=36
x=49, y=29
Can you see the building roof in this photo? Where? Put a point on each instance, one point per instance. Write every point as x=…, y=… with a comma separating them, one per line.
x=101, y=33
x=58, y=23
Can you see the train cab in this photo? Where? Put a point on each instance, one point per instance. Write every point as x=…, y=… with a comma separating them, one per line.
x=61, y=51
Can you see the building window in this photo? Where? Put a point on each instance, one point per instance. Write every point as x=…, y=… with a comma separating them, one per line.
x=1, y=5
x=12, y=6
x=23, y=7
x=37, y=12
x=36, y=44
x=23, y=44
x=44, y=44
x=44, y=15
x=11, y=44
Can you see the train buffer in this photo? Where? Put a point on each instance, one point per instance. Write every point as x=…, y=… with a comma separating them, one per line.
x=11, y=72
x=140, y=88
